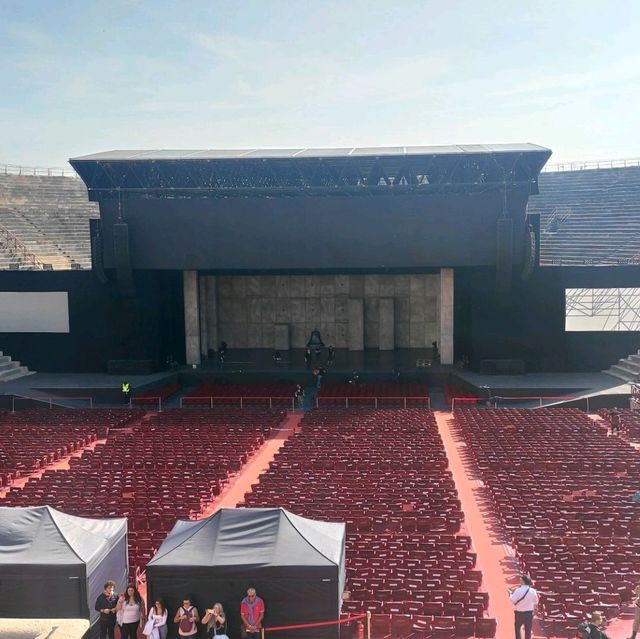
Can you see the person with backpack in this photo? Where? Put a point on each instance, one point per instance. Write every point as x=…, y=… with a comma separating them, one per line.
x=591, y=629
x=187, y=618
x=524, y=599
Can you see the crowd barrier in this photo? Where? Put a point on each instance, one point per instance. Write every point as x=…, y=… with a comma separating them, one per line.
x=242, y=402
x=375, y=402
x=49, y=400
x=497, y=401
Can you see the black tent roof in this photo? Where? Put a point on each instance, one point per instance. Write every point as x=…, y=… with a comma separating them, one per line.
x=260, y=537
x=41, y=535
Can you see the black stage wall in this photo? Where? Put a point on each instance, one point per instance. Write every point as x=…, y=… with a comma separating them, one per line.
x=102, y=325
x=409, y=231
x=529, y=323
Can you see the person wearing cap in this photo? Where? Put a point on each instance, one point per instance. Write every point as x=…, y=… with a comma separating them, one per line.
x=524, y=599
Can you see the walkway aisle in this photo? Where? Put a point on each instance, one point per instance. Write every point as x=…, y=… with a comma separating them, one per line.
x=495, y=557
x=235, y=490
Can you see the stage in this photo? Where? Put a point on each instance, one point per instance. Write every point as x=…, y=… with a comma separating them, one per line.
x=258, y=365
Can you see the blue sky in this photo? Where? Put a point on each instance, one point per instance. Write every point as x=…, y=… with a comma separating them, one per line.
x=84, y=76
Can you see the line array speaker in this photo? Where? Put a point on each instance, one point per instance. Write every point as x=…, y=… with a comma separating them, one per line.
x=122, y=259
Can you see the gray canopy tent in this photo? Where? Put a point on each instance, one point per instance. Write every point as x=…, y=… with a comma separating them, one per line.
x=297, y=565
x=54, y=565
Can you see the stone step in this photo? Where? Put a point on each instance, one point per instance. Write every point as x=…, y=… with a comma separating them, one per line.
x=630, y=365
x=634, y=358
x=15, y=373
x=621, y=373
x=8, y=364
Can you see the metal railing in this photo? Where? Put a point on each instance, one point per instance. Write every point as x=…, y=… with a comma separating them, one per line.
x=588, y=165
x=211, y=402
x=375, y=402
x=18, y=247
x=49, y=401
x=499, y=401
x=16, y=169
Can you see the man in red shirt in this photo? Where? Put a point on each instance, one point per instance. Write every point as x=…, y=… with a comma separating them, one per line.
x=252, y=613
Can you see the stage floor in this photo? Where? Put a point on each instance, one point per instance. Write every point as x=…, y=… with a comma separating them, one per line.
x=371, y=365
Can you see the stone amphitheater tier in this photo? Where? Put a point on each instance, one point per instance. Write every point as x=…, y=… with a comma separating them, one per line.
x=49, y=218
x=589, y=217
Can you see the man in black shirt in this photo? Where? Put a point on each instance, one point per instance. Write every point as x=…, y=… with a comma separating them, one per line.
x=106, y=605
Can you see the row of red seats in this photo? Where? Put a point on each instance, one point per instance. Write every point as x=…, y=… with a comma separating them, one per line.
x=34, y=438
x=268, y=395
x=629, y=422
x=390, y=483
x=363, y=394
x=562, y=490
x=152, y=395
x=462, y=395
x=166, y=468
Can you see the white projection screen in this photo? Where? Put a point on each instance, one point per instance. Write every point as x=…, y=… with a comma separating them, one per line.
x=34, y=312
x=602, y=309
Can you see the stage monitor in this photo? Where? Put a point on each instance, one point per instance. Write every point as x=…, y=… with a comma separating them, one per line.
x=602, y=309
x=34, y=312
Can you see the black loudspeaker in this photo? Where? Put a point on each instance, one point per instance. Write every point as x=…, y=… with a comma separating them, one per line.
x=122, y=259
x=97, y=250
x=504, y=255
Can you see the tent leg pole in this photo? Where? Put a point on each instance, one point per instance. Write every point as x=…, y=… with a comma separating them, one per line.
x=368, y=624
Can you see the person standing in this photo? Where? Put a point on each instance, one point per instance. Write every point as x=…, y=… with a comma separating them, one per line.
x=133, y=613
x=307, y=358
x=215, y=621
x=158, y=619
x=299, y=396
x=252, y=613
x=615, y=422
x=187, y=618
x=636, y=609
x=331, y=352
x=126, y=391
x=525, y=599
x=593, y=629
x=106, y=604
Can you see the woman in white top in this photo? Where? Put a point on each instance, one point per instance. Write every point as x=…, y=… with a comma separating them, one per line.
x=187, y=618
x=131, y=607
x=158, y=619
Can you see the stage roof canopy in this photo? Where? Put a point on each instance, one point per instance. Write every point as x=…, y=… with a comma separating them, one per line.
x=263, y=154
x=310, y=171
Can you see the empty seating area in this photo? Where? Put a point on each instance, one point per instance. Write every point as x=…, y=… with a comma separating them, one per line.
x=384, y=472
x=162, y=469
x=629, y=423
x=27, y=447
x=562, y=492
x=461, y=394
x=236, y=394
x=49, y=216
x=153, y=396
x=101, y=420
x=589, y=217
x=374, y=394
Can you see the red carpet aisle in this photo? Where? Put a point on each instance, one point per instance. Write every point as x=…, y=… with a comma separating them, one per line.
x=495, y=555
x=235, y=490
